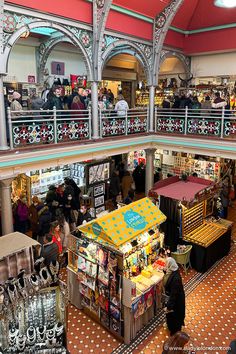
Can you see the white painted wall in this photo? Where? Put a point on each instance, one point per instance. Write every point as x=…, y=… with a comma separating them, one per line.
x=214, y=65
x=22, y=62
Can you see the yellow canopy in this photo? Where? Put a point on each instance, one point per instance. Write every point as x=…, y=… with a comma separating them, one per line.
x=124, y=224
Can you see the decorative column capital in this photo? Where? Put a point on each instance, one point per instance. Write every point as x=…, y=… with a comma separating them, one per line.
x=6, y=182
x=150, y=151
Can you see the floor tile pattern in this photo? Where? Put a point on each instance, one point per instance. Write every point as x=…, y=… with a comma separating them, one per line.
x=210, y=315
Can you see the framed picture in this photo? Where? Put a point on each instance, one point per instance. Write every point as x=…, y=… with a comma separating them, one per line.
x=100, y=209
x=31, y=79
x=57, y=68
x=99, y=201
x=98, y=172
x=99, y=189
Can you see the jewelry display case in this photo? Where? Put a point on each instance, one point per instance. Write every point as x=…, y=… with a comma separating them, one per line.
x=33, y=301
x=111, y=267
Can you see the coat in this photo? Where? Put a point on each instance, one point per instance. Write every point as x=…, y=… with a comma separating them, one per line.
x=114, y=185
x=176, y=302
x=126, y=185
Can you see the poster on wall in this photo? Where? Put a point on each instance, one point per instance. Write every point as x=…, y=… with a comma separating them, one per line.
x=99, y=189
x=99, y=201
x=57, y=68
x=98, y=173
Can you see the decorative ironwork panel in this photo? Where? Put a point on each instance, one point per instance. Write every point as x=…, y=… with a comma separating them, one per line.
x=112, y=127
x=32, y=134
x=170, y=125
x=137, y=125
x=72, y=130
x=201, y=126
x=229, y=128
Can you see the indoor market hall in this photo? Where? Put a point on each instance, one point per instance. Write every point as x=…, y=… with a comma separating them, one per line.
x=117, y=177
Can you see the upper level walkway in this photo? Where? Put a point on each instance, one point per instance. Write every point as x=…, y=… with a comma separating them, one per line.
x=59, y=137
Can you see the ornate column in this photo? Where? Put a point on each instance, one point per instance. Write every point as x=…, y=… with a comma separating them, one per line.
x=151, y=108
x=6, y=206
x=3, y=119
x=149, y=171
x=95, y=118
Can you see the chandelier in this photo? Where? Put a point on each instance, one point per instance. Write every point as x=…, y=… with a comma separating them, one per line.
x=225, y=3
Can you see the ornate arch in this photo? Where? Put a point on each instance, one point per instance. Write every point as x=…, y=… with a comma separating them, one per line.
x=183, y=58
x=141, y=51
x=80, y=38
x=161, y=26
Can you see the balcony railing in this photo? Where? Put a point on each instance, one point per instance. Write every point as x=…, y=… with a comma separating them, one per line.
x=200, y=122
x=45, y=127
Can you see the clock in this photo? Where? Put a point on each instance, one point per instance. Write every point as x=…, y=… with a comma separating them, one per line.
x=98, y=173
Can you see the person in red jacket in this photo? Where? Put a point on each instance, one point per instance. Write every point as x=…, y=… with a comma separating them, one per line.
x=56, y=235
x=78, y=106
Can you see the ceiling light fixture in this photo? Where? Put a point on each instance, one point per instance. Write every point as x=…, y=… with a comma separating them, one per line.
x=225, y=3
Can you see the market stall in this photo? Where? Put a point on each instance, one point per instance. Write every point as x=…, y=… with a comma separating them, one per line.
x=188, y=204
x=112, y=270
x=32, y=299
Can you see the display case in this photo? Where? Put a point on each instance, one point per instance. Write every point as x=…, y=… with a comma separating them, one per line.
x=114, y=260
x=33, y=300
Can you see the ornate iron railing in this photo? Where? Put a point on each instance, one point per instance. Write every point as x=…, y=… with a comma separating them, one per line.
x=129, y=122
x=45, y=127
x=199, y=122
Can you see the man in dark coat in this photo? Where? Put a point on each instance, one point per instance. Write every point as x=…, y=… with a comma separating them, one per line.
x=175, y=307
x=114, y=187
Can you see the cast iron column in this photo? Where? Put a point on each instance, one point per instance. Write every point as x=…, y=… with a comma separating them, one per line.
x=6, y=206
x=3, y=131
x=151, y=108
x=149, y=171
x=95, y=119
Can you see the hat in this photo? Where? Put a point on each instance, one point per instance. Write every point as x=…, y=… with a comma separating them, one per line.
x=16, y=95
x=171, y=265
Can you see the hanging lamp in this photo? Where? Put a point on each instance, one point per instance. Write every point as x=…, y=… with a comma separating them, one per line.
x=225, y=3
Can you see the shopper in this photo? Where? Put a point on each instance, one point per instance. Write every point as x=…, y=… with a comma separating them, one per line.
x=54, y=100
x=83, y=215
x=130, y=197
x=114, y=187
x=70, y=210
x=72, y=188
x=50, y=250
x=218, y=102
x=16, y=105
x=121, y=106
x=52, y=200
x=224, y=195
x=206, y=106
x=78, y=106
x=110, y=96
x=55, y=232
x=176, y=343
x=21, y=215
x=45, y=218
x=166, y=103
x=175, y=306
x=36, y=102
x=126, y=184
x=139, y=178
x=33, y=216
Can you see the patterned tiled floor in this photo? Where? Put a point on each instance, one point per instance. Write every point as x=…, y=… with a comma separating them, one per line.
x=210, y=315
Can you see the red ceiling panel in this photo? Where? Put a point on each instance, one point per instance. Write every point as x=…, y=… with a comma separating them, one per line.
x=129, y=25
x=174, y=39
x=210, y=41
x=79, y=10
x=185, y=14
x=207, y=15
x=149, y=7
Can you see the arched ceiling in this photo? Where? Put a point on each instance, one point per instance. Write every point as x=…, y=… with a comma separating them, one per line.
x=198, y=27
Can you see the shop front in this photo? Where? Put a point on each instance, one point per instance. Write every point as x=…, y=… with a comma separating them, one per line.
x=189, y=207
x=112, y=268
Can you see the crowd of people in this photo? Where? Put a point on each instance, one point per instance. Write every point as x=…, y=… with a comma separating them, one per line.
x=210, y=103
x=79, y=100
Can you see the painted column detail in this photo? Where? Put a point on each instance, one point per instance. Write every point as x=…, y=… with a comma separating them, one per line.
x=149, y=171
x=95, y=118
x=6, y=206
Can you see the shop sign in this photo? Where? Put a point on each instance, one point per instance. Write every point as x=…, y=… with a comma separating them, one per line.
x=134, y=220
x=96, y=229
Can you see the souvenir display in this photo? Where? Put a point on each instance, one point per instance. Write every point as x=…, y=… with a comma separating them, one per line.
x=32, y=304
x=118, y=264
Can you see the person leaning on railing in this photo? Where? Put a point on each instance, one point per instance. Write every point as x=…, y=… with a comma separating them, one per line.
x=16, y=105
x=121, y=106
x=77, y=106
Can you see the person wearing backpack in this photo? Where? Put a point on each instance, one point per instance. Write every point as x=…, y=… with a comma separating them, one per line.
x=21, y=215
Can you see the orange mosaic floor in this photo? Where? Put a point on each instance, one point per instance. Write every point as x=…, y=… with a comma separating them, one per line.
x=210, y=316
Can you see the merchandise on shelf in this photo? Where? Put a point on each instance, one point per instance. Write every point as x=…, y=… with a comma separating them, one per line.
x=33, y=300
x=114, y=257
